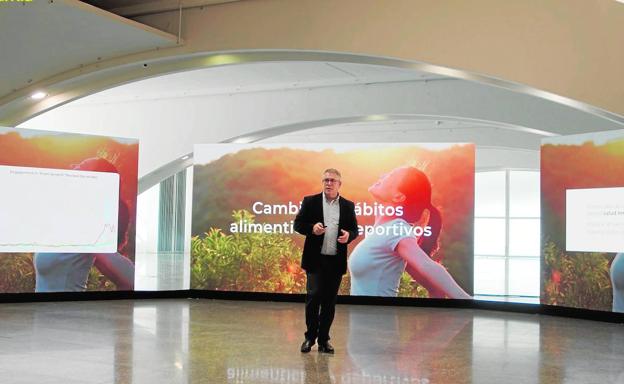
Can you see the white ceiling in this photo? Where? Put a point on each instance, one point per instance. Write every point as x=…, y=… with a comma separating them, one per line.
x=254, y=77
x=317, y=101
x=40, y=39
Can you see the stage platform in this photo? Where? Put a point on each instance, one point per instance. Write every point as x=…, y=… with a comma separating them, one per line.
x=218, y=341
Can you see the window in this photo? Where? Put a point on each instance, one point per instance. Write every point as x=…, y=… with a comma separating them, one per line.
x=162, y=246
x=507, y=234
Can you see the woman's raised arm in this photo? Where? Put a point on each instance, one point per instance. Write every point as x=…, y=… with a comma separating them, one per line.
x=428, y=272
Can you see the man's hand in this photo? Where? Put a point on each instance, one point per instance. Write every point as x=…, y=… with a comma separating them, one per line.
x=318, y=229
x=344, y=237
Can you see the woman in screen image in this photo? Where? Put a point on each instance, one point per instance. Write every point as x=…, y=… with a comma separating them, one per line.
x=377, y=263
x=617, y=282
x=65, y=272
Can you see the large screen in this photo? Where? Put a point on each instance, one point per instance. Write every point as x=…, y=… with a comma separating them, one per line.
x=38, y=196
x=68, y=206
x=245, y=198
x=582, y=187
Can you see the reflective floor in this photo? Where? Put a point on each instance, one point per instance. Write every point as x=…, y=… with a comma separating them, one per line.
x=210, y=341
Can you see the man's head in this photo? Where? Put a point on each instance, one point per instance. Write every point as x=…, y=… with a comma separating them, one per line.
x=331, y=183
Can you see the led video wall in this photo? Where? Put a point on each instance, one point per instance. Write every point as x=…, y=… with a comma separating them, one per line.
x=245, y=198
x=68, y=206
x=582, y=197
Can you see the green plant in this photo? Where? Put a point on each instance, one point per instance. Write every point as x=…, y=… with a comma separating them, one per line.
x=17, y=273
x=409, y=288
x=98, y=282
x=246, y=262
x=576, y=279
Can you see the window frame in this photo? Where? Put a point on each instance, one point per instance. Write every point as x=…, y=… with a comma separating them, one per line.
x=507, y=220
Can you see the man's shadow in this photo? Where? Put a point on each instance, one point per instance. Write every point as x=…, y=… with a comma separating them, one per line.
x=316, y=368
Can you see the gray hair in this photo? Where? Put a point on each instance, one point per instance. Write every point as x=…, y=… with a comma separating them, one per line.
x=334, y=171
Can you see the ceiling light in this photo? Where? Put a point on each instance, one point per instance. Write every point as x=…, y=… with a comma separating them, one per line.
x=38, y=95
x=222, y=59
x=243, y=140
x=376, y=118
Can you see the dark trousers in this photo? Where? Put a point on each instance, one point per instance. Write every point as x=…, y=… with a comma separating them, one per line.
x=321, y=291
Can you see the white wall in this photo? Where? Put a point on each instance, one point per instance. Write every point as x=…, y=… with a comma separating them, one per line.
x=498, y=148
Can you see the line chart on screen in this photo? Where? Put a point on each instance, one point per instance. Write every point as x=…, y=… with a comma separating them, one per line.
x=56, y=210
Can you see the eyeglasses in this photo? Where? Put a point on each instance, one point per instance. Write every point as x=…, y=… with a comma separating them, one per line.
x=330, y=181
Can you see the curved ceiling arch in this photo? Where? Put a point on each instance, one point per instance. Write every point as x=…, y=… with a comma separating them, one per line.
x=279, y=132
x=72, y=85
x=306, y=125
x=169, y=113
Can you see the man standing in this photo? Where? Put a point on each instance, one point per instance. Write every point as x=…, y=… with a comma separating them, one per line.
x=328, y=222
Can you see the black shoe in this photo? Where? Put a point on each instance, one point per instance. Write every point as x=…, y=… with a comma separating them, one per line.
x=325, y=347
x=307, y=346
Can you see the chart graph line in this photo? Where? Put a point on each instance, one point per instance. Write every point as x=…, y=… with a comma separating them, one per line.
x=110, y=228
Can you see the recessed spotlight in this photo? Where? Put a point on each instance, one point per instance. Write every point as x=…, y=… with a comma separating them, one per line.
x=185, y=157
x=376, y=118
x=243, y=140
x=38, y=95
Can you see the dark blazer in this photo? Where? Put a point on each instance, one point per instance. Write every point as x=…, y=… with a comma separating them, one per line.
x=311, y=212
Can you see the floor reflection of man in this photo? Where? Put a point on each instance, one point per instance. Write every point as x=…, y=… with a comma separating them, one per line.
x=316, y=369
x=387, y=342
